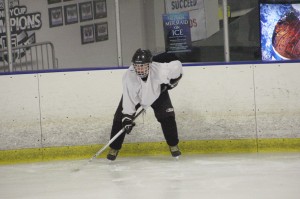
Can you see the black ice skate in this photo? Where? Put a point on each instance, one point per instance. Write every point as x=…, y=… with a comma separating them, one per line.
x=175, y=151
x=112, y=154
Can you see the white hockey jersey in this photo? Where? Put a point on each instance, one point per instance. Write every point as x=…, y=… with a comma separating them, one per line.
x=135, y=90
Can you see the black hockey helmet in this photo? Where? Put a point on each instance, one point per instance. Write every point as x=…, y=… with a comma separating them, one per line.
x=142, y=57
x=141, y=61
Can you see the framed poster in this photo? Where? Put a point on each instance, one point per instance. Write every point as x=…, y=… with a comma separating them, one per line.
x=87, y=34
x=53, y=1
x=101, y=31
x=55, y=16
x=100, y=10
x=86, y=11
x=71, y=14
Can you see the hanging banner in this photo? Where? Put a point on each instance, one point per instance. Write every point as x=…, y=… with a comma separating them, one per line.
x=183, y=5
x=22, y=27
x=196, y=12
x=177, y=32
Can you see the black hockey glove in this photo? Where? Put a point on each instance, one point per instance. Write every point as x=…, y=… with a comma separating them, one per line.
x=173, y=83
x=127, y=123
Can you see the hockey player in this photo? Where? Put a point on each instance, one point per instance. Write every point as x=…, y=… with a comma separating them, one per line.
x=145, y=84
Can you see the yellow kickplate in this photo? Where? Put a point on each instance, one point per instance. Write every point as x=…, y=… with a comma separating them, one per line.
x=151, y=149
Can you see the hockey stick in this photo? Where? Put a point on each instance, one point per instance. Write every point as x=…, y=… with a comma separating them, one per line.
x=121, y=131
x=111, y=140
x=118, y=134
x=115, y=137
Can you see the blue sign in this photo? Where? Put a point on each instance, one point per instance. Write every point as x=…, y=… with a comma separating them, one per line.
x=177, y=32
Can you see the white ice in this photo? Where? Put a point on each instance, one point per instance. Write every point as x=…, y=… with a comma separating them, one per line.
x=226, y=176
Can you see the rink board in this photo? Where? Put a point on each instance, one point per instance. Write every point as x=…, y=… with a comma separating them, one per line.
x=45, y=112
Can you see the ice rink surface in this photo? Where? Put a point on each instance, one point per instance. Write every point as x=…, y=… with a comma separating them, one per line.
x=210, y=176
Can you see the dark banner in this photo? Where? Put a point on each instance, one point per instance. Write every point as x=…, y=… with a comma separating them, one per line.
x=177, y=32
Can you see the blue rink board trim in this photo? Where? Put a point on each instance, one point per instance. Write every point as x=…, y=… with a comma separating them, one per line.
x=202, y=64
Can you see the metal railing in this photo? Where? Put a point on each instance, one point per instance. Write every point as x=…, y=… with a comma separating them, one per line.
x=37, y=56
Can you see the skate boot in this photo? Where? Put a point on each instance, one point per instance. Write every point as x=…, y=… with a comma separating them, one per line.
x=112, y=154
x=175, y=151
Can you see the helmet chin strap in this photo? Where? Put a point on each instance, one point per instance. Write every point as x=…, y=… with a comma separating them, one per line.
x=145, y=78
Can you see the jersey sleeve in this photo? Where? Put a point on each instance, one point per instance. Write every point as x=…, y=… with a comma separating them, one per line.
x=130, y=97
x=175, y=69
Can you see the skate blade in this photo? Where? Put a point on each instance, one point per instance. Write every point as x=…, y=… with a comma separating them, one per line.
x=111, y=161
x=176, y=158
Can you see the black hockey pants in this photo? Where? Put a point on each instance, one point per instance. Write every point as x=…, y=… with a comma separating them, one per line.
x=164, y=114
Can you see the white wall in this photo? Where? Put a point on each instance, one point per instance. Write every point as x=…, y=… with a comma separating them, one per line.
x=211, y=102
x=141, y=27
x=132, y=28
x=67, y=38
